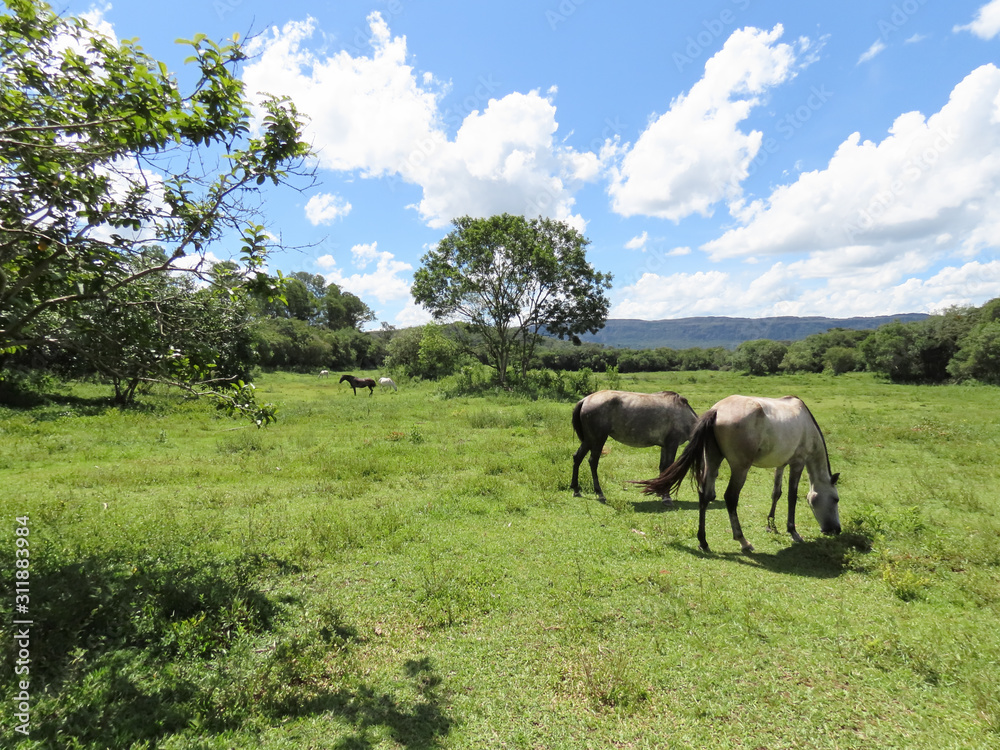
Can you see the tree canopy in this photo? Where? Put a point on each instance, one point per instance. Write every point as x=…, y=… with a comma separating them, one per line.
x=102, y=155
x=511, y=278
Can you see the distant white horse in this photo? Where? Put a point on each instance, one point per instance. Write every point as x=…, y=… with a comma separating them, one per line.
x=387, y=383
x=324, y=373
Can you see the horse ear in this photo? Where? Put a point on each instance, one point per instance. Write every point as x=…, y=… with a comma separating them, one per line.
x=834, y=478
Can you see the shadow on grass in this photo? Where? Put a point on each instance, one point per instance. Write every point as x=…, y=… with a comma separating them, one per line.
x=133, y=651
x=826, y=557
x=658, y=506
x=419, y=725
x=24, y=400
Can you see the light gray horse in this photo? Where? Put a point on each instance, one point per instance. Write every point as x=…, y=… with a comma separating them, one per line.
x=765, y=432
x=639, y=420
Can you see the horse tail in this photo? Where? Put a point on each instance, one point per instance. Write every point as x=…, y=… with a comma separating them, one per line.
x=693, y=456
x=578, y=420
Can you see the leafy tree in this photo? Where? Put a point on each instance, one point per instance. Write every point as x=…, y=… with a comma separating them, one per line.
x=894, y=351
x=299, y=301
x=802, y=356
x=340, y=309
x=840, y=359
x=103, y=154
x=438, y=355
x=159, y=329
x=979, y=355
x=759, y=357
x=309, y=298
x=510, y=278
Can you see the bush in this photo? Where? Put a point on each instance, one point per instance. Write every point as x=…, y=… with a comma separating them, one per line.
x=840, y=359
x=760, y=357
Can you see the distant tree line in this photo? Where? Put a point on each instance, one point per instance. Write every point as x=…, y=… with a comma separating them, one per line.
x=315, y=325
x=959, y=344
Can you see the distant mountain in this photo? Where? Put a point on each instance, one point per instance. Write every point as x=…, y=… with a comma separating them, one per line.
x=685, y=333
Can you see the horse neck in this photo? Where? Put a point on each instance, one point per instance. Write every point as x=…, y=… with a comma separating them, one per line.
x=818, y=464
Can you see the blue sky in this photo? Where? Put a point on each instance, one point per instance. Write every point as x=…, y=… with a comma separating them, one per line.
x=739, y=157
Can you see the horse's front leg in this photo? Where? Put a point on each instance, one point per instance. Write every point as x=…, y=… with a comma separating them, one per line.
x=736, y=480
x=775, y=495
x=794, y=473
x=668, y=452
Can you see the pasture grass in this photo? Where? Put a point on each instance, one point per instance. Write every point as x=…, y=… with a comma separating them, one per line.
x=411, y=571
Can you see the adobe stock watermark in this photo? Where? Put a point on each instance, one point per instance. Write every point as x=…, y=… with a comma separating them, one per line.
x=712, y=29
x=543, y=201
x=912, y=171
x=561, y=13
x=453, y=117
x=901, y=14
x=22, y=626
x=788, y=125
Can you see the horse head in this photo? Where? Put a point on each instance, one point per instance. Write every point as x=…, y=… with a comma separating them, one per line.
x=825, y=503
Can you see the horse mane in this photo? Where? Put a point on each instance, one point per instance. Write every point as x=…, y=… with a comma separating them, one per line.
x=822, y=439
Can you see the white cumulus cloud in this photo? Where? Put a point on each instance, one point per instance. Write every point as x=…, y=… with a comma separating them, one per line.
x=326, y=209
x=923, y=192
x=986, y=24
x=384, y=282
x=695, y=155
x=374, y=114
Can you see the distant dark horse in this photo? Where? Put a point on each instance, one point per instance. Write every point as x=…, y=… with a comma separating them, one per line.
x=766, y=432
x=639, y=420
x=359, y=383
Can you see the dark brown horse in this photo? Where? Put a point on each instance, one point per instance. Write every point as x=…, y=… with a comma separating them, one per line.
x=359, y=383
x=766, y=432
x=639, y=420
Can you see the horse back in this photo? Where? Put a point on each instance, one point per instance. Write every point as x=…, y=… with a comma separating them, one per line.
x=764, y=432
x=639, y=420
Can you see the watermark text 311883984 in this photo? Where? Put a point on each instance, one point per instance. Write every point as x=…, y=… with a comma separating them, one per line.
x=22, y=626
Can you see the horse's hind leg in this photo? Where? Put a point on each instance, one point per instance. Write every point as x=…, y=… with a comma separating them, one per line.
x=737, y=479
x=775, y=495
x=595, y=458
x=706, y=494
x=577, y=460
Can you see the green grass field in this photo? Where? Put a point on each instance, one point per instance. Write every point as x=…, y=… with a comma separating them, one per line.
x=410, y=571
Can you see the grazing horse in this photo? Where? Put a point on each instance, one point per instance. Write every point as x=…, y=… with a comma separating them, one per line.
x=387, y=383
x=763, y=432
x=640, y=420
x=359, y=383
x=324, y=373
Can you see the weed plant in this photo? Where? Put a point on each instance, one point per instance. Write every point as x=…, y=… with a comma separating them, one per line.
x=411, y=570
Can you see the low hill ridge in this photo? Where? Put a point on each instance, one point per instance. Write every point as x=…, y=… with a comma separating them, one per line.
x=707, y=332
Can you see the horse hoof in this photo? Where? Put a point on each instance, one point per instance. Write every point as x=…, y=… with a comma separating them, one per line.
x=668, y=504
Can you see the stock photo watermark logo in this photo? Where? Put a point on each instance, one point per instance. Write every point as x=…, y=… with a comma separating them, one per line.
x=712, y=30
x=787, y=125
x=561, y=13
x=899, y=17
x=453, y=117
x=912, y=171
x=22, y=626
x=542, y=202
